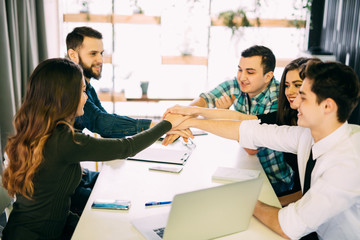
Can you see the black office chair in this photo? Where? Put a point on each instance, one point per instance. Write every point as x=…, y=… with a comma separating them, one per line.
x=355, y=116
x=5, y=203
x=5, y=200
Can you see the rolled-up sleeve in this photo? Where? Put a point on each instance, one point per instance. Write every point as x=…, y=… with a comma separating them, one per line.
x=226, y=88
x=209, y=98
x=333, y=192
x=246, y=133
x=288, y=218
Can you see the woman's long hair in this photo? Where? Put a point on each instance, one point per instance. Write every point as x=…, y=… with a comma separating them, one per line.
x=285, y=114
x=52, y=96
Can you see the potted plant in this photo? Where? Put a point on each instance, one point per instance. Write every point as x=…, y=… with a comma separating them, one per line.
x=136, y=8
x=234, y=19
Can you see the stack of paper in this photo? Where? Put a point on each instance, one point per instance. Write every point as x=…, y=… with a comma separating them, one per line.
x=234, y=174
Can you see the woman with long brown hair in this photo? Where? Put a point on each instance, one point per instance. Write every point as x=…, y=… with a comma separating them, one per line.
x=45, y=152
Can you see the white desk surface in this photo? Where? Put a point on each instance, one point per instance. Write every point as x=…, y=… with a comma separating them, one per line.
x=132, y=180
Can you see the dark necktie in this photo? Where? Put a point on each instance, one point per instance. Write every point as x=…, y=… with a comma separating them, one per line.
x=309, y=167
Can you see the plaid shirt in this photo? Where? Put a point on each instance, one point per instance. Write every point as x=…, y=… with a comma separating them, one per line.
x=278, y=172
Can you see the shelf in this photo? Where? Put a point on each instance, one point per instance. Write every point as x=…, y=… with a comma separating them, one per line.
x=108, y=59
x=264, y=22
x=137, y=19
x=112, y=18
x=157, y=99
x=282, y=62
x=84, y=17
x=118, y=97
x=143, y=19
x=109, y=97
x=191, y=60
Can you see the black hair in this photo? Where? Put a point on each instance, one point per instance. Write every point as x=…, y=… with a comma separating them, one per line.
x=336, y=81
x=267, y=57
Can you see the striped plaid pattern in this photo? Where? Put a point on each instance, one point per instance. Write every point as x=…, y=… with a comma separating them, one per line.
x=278, y=172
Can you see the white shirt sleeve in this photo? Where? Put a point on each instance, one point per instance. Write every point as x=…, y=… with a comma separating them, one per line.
x=280, y=138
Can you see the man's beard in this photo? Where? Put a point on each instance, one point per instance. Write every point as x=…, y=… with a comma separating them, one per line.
x=88, y=72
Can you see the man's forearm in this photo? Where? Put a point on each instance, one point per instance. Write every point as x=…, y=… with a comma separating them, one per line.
x=290, y=198
x=223, y=128
x=212, y=113
x=268, y=215
x=199, y=102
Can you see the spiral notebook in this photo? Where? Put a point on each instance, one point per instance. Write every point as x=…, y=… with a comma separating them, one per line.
x=176, y=154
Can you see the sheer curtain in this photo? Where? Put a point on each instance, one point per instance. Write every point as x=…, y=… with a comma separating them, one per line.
x=22, y=47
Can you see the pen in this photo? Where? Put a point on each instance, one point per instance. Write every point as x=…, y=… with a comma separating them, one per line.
x=157, y=203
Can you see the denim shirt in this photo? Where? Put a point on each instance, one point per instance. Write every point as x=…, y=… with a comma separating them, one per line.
x=97, y=120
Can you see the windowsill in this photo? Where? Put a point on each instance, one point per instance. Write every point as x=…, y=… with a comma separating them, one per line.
x=118, y=97
x=111, y=18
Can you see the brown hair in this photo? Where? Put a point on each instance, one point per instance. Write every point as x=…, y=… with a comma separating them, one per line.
x=52, y=96
x=75, y=39
x=285, y=114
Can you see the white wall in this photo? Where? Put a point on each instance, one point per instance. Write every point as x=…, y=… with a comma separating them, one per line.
x=52, y=27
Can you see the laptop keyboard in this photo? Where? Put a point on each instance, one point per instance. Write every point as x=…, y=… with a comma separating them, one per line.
x=160, y=232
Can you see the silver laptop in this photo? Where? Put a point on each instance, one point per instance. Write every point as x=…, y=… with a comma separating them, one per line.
x=204, y=214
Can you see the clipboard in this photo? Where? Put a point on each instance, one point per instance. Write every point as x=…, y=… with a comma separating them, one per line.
x=161, y=154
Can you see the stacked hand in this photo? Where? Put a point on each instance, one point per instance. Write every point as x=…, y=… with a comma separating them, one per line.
x=177, y=130
x=178, y=115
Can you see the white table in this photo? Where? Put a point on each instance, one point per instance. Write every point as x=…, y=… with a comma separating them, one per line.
x=132, y=180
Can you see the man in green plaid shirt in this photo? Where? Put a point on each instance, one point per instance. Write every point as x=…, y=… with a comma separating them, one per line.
x=255, y=91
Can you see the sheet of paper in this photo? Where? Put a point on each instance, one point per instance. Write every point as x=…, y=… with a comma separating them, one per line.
x=163, y=155
x=234, y=174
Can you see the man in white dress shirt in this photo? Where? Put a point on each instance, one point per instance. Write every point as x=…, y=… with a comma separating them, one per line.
x=331, y=205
